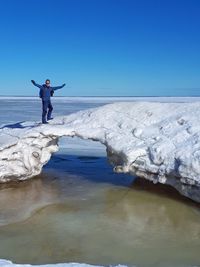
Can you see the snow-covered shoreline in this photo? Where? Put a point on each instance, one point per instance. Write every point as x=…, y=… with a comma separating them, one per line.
x=157, y=141
x=7, y=263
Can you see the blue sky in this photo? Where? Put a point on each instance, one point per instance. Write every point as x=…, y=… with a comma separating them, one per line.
x=101, y=47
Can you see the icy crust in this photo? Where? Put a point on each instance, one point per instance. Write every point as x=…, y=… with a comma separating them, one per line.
x=157, y=141
x=7, y=263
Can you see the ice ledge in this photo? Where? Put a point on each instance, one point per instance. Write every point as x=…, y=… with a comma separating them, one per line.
x=157, y=141
x=7, y=263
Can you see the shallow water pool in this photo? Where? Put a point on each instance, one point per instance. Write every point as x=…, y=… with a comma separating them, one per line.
x=78, y=210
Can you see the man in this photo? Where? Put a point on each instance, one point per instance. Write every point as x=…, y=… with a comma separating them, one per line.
x=46, y=91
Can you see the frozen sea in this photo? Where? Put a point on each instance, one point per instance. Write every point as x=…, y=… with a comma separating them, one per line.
x=78, y=210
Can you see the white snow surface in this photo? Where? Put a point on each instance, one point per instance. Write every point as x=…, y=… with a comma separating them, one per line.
x=156, y=141
x=7, y=263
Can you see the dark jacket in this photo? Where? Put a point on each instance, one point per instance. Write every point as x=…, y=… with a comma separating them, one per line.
x=47, y=91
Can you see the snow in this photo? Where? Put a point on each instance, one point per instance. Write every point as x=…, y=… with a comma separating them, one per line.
x=157, y=141
x=7, y=263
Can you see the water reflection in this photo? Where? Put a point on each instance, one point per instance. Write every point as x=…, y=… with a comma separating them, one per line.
x=19, y=200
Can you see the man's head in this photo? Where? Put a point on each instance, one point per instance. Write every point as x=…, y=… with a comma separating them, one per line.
x=47, y=82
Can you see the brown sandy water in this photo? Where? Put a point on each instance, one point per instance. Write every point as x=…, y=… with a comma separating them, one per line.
x=78, y=210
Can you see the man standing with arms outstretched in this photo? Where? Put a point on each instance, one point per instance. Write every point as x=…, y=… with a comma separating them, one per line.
x=46, y=91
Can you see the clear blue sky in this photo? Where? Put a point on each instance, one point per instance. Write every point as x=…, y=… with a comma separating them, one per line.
x=101, y=47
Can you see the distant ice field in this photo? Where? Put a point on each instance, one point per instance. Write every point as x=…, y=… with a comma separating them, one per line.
x=107, y=99
x=16, y=109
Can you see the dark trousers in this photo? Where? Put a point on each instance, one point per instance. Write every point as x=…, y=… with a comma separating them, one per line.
x=46, y=110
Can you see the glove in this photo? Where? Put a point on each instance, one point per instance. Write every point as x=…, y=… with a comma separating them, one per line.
x=33, y=82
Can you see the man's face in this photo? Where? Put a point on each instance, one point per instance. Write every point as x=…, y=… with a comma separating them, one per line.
x=47, y=83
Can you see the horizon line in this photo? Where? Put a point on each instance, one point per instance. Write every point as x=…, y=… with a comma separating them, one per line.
x=105, y=96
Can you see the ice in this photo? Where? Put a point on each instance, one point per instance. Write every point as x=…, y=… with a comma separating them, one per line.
x=157, y=141
x=7, y=263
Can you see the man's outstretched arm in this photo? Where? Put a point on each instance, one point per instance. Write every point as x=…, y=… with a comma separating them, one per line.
x=58, y=87
x=34, y=83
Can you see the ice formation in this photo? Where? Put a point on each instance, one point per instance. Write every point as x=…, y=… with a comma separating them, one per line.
x=157, y=141
x=7, y=263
